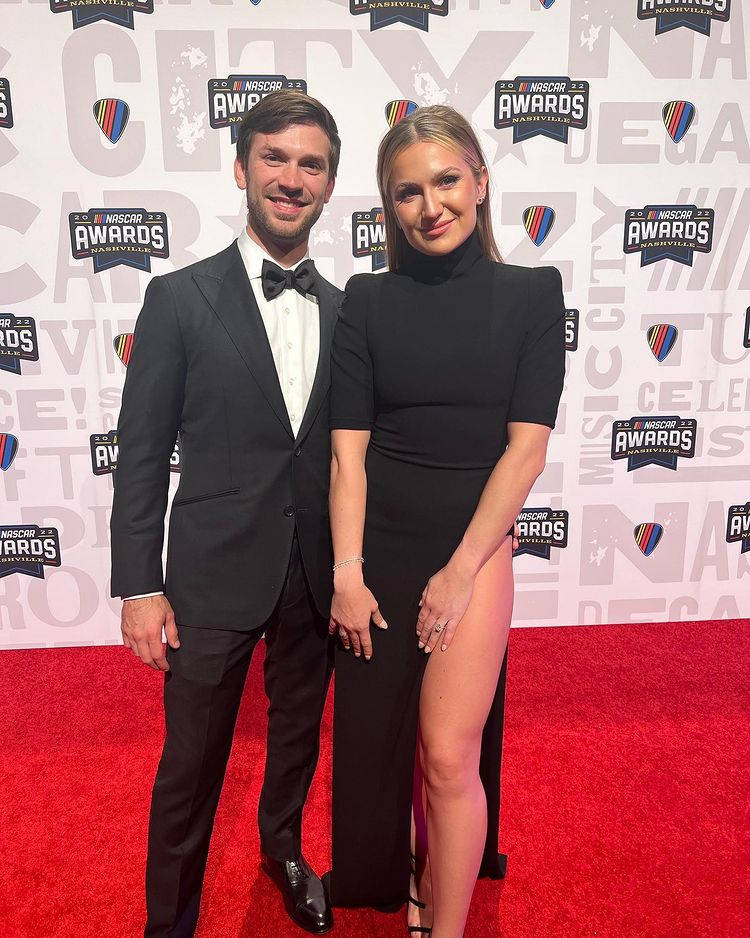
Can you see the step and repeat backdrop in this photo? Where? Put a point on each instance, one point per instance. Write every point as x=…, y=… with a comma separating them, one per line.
x=617, y=137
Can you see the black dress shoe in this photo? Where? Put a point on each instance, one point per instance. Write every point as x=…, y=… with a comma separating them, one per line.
x=304, y=897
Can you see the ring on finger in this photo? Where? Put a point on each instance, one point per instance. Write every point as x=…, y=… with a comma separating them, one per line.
x=438, y=627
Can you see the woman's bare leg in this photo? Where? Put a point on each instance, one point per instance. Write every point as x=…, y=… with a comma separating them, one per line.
x=457, y=692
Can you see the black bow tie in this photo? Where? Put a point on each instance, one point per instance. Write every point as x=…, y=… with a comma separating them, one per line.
x=275, y=279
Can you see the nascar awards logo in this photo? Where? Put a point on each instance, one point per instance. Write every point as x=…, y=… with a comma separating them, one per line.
x=6, y=107
x=738, y=526
x=539, y=529
x=112, y=236
x=692, y=14
x=28, y=549
x=18, y=342
x=572, y=318
x=229, y=99
x=386, y=12
x=368, y=236
x=105, y=452
x=653, y=441
x=670, y=232
x=119, y=12
x=541, y=106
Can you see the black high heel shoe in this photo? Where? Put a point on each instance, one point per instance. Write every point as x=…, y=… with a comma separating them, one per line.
x=416, y=929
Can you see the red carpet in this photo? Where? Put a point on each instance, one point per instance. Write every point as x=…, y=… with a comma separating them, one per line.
x=625, y=789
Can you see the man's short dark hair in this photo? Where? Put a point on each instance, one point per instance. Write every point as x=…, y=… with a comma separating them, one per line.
x=281, y=109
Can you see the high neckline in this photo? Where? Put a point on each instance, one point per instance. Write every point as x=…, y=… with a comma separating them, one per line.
x=436, y=268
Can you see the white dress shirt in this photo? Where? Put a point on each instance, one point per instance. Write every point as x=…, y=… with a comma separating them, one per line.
x=292, y=325
x=293, y=329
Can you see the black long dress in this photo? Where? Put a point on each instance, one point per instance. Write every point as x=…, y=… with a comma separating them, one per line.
x=434, y=360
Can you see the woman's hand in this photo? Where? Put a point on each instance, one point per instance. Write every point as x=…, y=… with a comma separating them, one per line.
x=352, y=609
x=444, y=601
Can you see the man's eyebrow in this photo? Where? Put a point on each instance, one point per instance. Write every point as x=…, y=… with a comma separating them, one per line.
x=268, y=148
x=438, y=175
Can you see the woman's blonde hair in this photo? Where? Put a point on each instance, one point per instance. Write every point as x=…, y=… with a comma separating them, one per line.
x=437, y=124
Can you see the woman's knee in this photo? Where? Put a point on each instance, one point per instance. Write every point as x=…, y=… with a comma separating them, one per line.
x=450, y=767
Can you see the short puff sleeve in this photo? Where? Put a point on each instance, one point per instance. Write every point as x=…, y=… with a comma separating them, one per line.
x=352, y=394
x=541, y=366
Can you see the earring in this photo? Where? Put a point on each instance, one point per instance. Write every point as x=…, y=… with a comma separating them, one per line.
x=480, y=200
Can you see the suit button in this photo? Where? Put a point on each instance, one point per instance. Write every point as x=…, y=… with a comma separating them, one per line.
x=289, y=511
x=298, y=451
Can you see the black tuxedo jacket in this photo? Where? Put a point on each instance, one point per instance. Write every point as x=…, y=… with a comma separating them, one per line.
x=201, y=365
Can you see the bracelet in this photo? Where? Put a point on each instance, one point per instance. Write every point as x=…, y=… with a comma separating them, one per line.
x=343, y=563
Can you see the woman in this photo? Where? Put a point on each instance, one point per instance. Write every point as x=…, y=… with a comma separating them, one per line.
x=447, y=373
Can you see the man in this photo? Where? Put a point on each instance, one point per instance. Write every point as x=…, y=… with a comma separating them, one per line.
x=233, y=352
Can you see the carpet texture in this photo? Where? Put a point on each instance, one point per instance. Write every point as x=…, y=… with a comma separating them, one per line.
x=625, y=793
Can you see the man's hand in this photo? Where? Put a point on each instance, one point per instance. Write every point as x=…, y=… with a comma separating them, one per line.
x=141, y=625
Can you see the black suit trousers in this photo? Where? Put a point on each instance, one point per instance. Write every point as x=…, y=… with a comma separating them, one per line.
x=202, y=693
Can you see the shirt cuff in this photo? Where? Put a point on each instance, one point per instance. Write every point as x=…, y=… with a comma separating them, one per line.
x=142, y=595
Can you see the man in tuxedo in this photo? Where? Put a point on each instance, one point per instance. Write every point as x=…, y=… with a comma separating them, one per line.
x=232, y=353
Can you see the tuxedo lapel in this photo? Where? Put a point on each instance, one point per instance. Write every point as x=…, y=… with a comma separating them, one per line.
x=232, y=299
x=328, y=312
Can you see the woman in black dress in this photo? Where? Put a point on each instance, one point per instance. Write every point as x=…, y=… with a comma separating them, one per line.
x=446, y=377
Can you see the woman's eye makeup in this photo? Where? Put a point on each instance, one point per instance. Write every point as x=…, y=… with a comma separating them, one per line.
x=406, y=192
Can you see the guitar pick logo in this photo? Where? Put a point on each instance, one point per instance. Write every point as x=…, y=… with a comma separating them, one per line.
x=255, y=2
x=647, y=536
x=123, y=344
x=546, y=3
x=111, y=114
x=8, y=450
x=396, y=111
x=661, y=339
x=538, y=221
x=678, y=116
